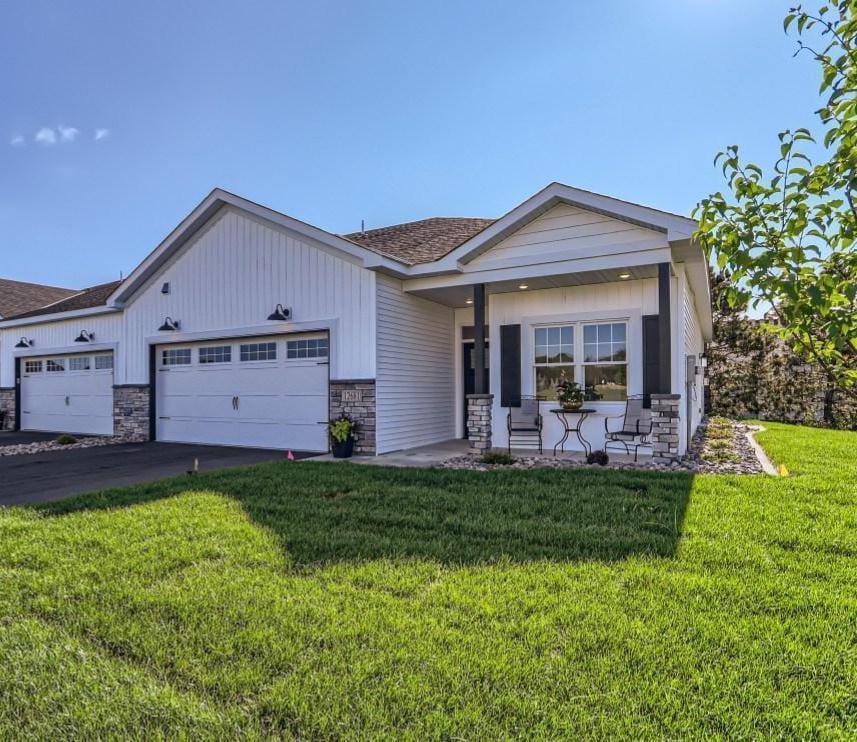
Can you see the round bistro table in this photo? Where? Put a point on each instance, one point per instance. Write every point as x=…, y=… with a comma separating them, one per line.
x=569, y=427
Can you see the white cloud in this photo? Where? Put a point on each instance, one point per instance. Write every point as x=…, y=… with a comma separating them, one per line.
x=67, y=133
x=46, y=135
x=101, y=134
x=17, y=141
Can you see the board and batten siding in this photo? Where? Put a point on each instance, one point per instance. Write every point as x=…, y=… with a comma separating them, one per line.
x=569, y=232
x=59, y=337
x=415, y=385
x=234, y=273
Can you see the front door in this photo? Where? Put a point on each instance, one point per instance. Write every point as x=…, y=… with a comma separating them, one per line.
x=470, y=375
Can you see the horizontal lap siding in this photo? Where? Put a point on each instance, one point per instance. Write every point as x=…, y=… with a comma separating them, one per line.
x=568, y=229
x=693, y=345
x=415, y=384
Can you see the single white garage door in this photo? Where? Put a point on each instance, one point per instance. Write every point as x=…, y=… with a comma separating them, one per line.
x=269, y=392
x=68, y=394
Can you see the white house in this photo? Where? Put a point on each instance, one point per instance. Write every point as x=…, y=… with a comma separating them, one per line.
x=248, y=327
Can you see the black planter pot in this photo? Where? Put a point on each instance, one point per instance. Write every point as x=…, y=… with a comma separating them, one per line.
x=343, y=449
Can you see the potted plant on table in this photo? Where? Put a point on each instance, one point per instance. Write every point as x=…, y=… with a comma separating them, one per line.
x=569, y=394
x=342, y=431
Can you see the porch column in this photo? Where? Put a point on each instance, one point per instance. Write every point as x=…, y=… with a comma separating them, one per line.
x=664, y=329
x=479, y=404
x=479, y=338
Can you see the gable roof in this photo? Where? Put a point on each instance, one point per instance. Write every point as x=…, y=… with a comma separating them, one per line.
x=672, y=226
x=94, y=296
x=17, y=297
x=421, y=241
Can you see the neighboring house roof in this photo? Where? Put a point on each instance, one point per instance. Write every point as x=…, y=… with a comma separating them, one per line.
x=422, y=241
x=94, y=296
x=17, y=297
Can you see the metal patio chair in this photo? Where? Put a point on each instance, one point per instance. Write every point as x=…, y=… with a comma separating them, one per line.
x=636, y=427
x=525, y=421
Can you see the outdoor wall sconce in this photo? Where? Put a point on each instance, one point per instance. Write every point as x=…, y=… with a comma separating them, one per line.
x=170, y=325
x=24, y=343
x=84, y=337
x=281, y=313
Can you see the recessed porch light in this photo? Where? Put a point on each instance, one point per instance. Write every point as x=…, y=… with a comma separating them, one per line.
x=523, y=286
x=469, y=301
x=623, y=276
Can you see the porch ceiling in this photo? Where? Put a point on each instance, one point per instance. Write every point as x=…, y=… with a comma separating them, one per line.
x=457, y=296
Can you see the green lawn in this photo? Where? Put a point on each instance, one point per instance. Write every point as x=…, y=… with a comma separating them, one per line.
x=324, y=601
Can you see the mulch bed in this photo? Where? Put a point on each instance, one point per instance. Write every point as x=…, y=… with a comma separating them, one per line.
x=719, y=446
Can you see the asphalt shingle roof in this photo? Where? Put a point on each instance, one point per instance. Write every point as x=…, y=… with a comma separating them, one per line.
x=95, y=296
x=423, y=241
x=17, y=297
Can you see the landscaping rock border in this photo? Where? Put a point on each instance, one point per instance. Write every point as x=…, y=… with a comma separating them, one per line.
x=745, y=460
x=24, y=449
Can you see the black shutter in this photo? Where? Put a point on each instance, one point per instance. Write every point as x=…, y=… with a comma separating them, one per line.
x=651, y=357
x=510, y=365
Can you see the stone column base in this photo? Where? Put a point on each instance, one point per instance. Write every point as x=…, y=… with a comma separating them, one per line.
x=131, y=411
x=356, y=399
x=479, y=422
x=7, y=405
x=665, y=422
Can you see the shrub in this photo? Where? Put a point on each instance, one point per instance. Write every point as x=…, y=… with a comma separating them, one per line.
x=497, y=458
x=66, y=440
x=598, y=457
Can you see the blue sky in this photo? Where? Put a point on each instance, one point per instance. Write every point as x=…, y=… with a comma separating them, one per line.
x=335, y=112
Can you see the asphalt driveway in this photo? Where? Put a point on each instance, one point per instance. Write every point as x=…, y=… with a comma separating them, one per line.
x=54, y=475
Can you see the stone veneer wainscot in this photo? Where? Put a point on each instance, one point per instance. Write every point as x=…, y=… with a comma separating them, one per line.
x=479, y=422
x=131, y=411
x=7, y=405
x=665, y=422
x=361, y=410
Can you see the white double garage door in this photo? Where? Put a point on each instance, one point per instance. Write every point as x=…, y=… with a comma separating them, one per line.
x=266, y=392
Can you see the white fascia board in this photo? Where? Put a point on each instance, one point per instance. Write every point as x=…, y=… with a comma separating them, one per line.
x=66, y=350
x=58, y=317
x=537, y=270
x=272, y=328
x=212, y=203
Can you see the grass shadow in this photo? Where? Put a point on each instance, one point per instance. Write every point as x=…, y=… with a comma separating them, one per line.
x=324, y=513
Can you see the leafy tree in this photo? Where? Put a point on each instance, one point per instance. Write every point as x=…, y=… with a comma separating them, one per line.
x=787, y=239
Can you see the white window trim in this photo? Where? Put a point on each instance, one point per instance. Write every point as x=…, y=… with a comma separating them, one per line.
x=633, y=346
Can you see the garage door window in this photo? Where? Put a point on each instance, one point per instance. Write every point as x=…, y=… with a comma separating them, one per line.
x=54, y=366
x=176, y=357
x=32, y=367
x=216, y=354
x=78, y=364
x=103, y=362
x=313, y=348
x=259, y=352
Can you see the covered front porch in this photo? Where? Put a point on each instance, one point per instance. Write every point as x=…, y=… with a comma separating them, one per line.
x=609, y=330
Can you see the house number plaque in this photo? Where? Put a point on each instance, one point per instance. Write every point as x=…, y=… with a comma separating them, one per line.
x=352, y=395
